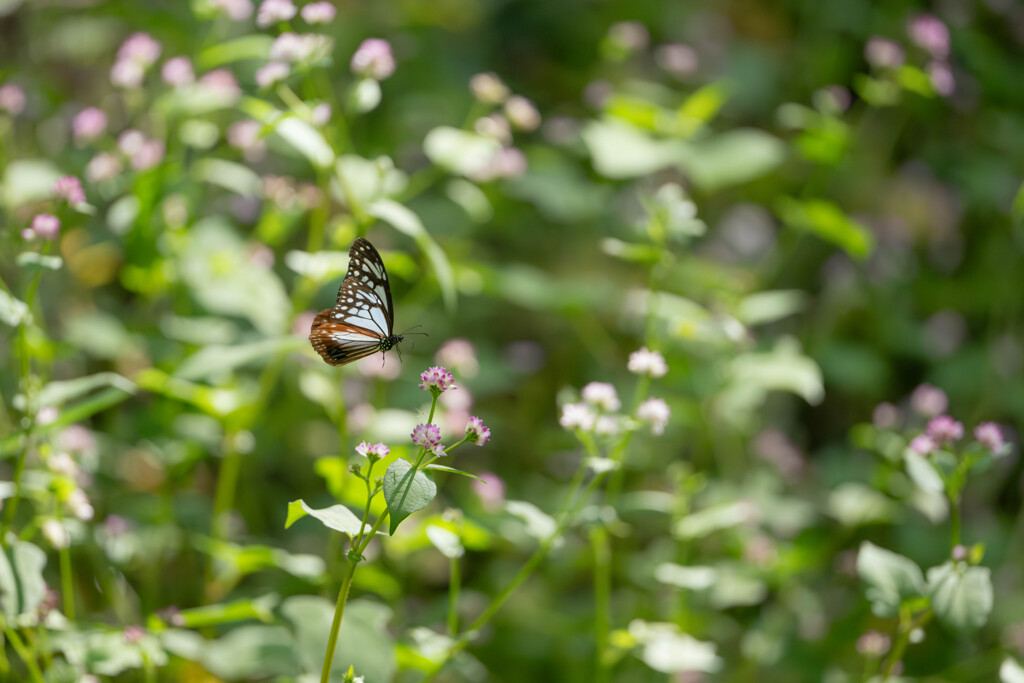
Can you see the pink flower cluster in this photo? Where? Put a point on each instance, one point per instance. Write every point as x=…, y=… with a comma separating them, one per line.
x=437, y=379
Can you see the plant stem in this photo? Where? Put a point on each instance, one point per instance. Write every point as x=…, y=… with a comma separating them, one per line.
x=339, y=611
x=67, y=583
x=224, y=498
x=954, y=521
x=26, y=656
x=905, y=627
x=454, y=585
x=601, y=546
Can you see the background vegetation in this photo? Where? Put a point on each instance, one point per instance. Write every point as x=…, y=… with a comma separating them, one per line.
x=813, y=210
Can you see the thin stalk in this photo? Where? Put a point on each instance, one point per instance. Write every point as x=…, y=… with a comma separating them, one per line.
x=954, y=521
x=339, y=611
x=454, y=585
x=224, y=498
x=25, y=655
x=601, y=547
x=67, y=579
x=905, y=627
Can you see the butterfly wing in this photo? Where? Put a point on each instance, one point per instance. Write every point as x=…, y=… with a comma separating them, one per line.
x=366, y=268
x=364, y=313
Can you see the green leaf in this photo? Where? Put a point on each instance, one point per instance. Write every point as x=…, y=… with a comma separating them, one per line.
x=22, y=587
x=26, y=181
x=619, y=150
x=763, y=308
x=445, y=468
x=337, y=517
x=33, y=259
x=1011, y=672
x=961, y=596
x=459, y=151
x=369, y=179
x=732, y=158
x=826, y=220
x=13, y=311
x=231, y=176
x=667, y=650
x=252, y=652
x=889, y=579
x=261, y=609
x=60, y=392
x=252, y=46
x=709, y=520
x=302, y=137
x=406, y=490
x=855, y=504
x=401, y=218
x=446, y=541
x=922, y=472
x=213, y=361
x=539, y=524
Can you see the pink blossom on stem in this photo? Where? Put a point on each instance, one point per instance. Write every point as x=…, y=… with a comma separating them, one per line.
x=178, y=71
x=274, y=11
x=69, y=188
x=318, y=13
x=477, y=432
x=656, y=413
x=437, y=379
x=990, y=435
x=922, y=444
x=944, y=429
x=883, y=52
x=44, y=226
x=373, y=59
x=88, y=124
x=928, y=32
x=372, y=451
x=12, y=99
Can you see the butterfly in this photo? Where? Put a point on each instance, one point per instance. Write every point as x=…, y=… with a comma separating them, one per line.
x=362, y=321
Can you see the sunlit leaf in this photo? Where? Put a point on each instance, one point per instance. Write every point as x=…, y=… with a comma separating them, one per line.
x=732, y=158
x=459, y=151
x=826, y=220
x=232, y=176
x=22, y=587
x=539, y=524
x=27, y=180
x=406, y=490
x=961, y=596
x=12, y=311
x=337, y=517
x=446, y=542
x=302, y=136
x=667, y=650
x=363, y=642
x=889, y=578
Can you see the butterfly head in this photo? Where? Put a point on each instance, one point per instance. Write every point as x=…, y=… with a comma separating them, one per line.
x=391, y=342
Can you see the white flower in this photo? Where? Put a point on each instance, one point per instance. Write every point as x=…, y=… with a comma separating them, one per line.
x=655, y=412
x=273, y=11
x=602, y=395
x=647, y=362
x=318, y=13
x=56, y=534
x=577, y=416
x=271, y=73
x=62, y=463
x=78, y=504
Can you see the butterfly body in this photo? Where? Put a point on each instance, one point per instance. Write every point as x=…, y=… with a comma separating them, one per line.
x=362, y=321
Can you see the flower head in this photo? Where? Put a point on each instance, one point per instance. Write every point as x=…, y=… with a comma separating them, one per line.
x=602, y=395
x=488, y=88
x=929, y=400
x=149, y=155
x=294, y=47
x=88, y=124
x=44, y=226
x=12, y=99
x=461, y=355
x=140, y=48
x=375, y=451
x=133, y=634
x=577, y=416
x=646, y=362
x=990, y=436
x=883, y=52
x=69, y=188
x=237, y=10
x=271, y=73
x=522, y=113
x=373, y=59
x=103, y=166
x=477, y=432
x=873, y=644
x=56, y=534
x=322, y=114
x=437, y=380
x=178, y=71
x=655, y=412
x=428, y=436
x=942, y=78
x=318, y=13
x=274, y=11
x=930, y=33
x=885, y=415
x=678, y=59
x=221, y=82
x=922, y=444
x=944, y=429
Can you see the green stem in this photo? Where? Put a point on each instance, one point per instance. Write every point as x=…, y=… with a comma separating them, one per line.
x=67, y=579
x=224, y=498
x=25, y=654
x=454, y=585
x=339, y=611
x=954, y=521
x=601, y=546
x=905, y=627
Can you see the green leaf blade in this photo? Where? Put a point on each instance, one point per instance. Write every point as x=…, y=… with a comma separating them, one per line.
x=406, y=490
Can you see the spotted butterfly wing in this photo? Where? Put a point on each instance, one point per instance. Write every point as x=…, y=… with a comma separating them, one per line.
x=362, y=321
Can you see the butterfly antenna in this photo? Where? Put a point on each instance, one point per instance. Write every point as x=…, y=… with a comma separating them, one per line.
x=399, y=349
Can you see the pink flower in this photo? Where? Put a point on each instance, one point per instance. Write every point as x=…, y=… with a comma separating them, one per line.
x=76, y=438
x=677, y=59
x=245, y=136
x=942, y=79
x=488, y=88
x=522, y=113
x=930, y=33
x=990, y=436
x=507, y=162
x=127, y=74
x=178, y=72
x=885, y=416
x=629, y=35
x=428, y=436
x=149, y=155
x=318, y=13
x=372, y=452
x=460, y=354
x=655, y=412
x=647, y=362
x=944, y=429
x=69, y=188
x=222, y=82
x=45, y=226
x=492, y=494
x=883, y=52
x=322, y=114
x=928, y=400
x=274, y=11
x=494, y=126
x=293, y=47
x=133, y=634
x=437, y=380
x=477, y=432
x=103, y=167
x=922, y=444
x=12, y=99
x=373, y=59
x=89, y=124
x=140, y=48
x=237, y=10
x=271, y=73
x=130, y=141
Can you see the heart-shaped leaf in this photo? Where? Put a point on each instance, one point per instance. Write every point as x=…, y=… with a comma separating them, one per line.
x=337, y=517
x=961, y=596
x=406, y=490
